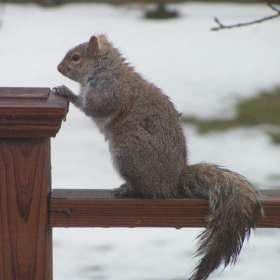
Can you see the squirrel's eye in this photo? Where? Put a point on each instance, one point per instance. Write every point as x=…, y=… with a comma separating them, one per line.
x=75, y=57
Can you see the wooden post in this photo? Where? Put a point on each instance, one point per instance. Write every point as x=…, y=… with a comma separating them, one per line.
x=28, y=118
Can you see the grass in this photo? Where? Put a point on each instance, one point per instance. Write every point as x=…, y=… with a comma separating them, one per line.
x=261, y=110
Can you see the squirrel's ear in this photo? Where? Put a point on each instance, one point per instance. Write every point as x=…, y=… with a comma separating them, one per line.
x=93, y=44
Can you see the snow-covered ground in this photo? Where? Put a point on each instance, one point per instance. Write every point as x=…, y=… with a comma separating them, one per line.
x=203, y=72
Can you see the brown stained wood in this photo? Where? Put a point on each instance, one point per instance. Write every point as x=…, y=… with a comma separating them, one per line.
x=25, y=187
x=98, y=208
x=31, y=112
x=28, y=118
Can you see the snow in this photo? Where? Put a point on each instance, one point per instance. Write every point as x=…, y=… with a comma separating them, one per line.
x=203, y=72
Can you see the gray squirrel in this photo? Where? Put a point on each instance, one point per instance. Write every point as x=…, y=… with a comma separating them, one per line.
x=148, y=149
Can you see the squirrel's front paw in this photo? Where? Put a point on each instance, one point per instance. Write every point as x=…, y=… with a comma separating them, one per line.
x=64, y=91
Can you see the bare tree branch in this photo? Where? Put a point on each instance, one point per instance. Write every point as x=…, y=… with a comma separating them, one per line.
x=223, y=26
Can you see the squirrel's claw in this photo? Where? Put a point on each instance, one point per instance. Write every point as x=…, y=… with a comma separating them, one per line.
x=123, y=191
x=64, y=91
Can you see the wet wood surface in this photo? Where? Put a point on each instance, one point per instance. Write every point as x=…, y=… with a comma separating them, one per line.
x=98, y=208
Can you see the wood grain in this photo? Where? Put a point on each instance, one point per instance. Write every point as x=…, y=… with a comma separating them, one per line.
x=25, y=187
x=98, y=208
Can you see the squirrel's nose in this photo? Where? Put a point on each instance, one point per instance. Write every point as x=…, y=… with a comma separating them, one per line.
x=59, y=67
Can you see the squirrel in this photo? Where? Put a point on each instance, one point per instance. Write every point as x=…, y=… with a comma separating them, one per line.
x=148, y=149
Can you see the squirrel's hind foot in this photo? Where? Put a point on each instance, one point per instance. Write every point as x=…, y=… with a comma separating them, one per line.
x=124, y=190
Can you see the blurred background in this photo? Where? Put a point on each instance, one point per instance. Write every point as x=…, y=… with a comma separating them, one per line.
x=226, y=83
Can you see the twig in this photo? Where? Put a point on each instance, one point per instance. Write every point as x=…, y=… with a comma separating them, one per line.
x=222, y=26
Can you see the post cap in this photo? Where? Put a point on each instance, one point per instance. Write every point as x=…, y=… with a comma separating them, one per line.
x=31, y=112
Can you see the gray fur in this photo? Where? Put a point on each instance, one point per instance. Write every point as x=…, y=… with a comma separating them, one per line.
x=148, y=149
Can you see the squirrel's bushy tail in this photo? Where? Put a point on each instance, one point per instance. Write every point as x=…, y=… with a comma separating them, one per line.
x=232, y=202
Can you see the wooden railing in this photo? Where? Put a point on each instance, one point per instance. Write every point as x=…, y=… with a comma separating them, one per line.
x=29, y=208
